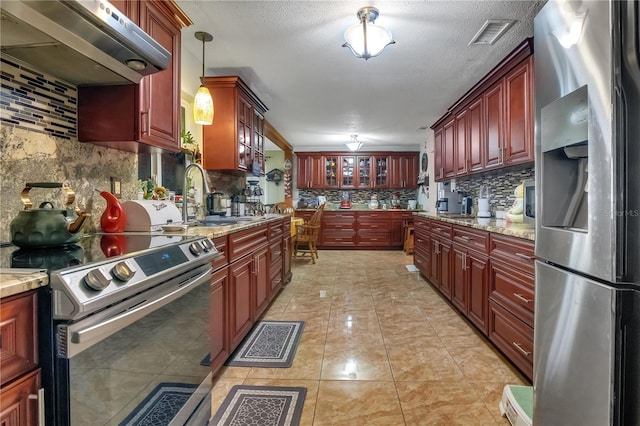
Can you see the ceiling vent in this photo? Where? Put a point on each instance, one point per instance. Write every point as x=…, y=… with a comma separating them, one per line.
x=491, y=31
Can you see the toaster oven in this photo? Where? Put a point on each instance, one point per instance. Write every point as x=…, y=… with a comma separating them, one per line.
x=529, y=189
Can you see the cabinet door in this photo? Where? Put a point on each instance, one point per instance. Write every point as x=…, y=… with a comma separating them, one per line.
x=262, y=286
x=395, y=171
x=411, y=174
x=286, y=257
x=18, y=335
x=302, y=171
x=436, y=265
x=365, y=167
x=448, y=143
x=160, y=92
x=241, y=312
x=478, y=290
x=461, y=142
x=347, y=171
x=218, y=322
x=330, y=173
x=475, y=136
x=438, y=162
x=258, y=141
x=381, y=172
x=445, y=257
x=18, y=407
x=519, y=115
x=245, y=118
x=459, y=279
x=492, y=151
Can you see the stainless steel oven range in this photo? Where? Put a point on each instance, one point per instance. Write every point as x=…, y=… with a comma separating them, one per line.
x=122, y=314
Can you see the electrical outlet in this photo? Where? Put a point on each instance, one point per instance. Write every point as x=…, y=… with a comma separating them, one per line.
x=116, y=187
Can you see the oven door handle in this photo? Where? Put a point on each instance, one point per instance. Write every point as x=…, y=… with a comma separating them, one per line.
x=128, y=317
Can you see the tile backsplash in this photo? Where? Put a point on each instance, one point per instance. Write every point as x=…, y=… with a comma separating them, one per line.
x=501, y=183
x=334, y=196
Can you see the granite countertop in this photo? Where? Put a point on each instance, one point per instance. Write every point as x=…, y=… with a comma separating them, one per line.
x=224, y=230
x=359, y=208
x=16, y=280
x=499, y=226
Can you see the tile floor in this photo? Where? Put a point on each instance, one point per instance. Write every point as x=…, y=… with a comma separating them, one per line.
x=380, y=347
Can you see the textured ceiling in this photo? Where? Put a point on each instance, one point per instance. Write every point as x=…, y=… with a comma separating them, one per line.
x=318, y=93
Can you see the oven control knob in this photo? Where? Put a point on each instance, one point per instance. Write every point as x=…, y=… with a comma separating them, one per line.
x=96, y=279
x=122, y=271
x=195, y=248
x=208, y=245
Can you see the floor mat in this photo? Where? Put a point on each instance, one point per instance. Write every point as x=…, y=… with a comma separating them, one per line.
x=161, y=405
x=261, y=405
x=270, y=344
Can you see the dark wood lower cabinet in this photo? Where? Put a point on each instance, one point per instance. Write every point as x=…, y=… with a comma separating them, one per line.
x=219, y=317
x=262, y=285
x=20, y=401
x=488, y=277
x=240, y=303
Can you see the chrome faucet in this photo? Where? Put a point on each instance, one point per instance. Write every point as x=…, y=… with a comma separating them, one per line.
x=185, y=197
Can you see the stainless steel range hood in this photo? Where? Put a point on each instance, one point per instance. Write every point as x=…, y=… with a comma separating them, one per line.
x=84, y=42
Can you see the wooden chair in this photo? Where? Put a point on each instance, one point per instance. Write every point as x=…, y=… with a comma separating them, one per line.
x=307, y=235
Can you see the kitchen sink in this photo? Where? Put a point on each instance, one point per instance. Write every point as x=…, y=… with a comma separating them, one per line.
x=218, y=222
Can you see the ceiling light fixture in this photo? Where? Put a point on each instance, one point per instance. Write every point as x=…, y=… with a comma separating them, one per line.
x=203, y=102
x=366, y=39
x=354, y=145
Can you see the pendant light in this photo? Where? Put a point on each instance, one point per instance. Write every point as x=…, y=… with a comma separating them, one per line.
x=203, y=102
x=366, y=39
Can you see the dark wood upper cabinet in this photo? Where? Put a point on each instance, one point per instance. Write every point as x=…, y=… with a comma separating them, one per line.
x=145, y=116
x=334, y=170
x=235, y=140
x=493, y=125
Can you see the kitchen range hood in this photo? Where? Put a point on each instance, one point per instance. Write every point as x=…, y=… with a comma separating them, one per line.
x=83, y=42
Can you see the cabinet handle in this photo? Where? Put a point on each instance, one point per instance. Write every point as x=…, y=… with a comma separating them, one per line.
x=464, y=237
x=40, y=398
x=436, y=229
x=525, y=257
x=521, y=298
x=419, y=240
x=519, y=348
x=418, y=260
x=144, y=122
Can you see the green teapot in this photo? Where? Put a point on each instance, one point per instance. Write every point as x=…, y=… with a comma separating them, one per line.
x=47, y=226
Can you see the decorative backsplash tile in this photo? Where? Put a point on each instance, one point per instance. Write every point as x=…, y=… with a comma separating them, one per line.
x=32, y=100
x=502, y=184
x=334, y=196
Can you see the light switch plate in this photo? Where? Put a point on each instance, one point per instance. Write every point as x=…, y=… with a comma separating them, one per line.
x=116, y=187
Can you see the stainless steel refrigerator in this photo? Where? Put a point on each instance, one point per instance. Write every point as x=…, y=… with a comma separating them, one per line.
x=587, y=307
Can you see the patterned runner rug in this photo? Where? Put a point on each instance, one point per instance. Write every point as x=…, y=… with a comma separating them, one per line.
x=261, y=405
x=161, y=405
x=271, y=344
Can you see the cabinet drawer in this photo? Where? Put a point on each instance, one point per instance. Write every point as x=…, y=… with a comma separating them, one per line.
x=516, y=252
x=422, y=260
x=339, y=239
x=18, y=408
x=221, y=246
x=441, y=229
x=275, y=254
x=402, y=215
x=421, y=223
x=18, y=328
x=513, y=337
x=339, y=226
x=244, y=242
x=348, y=216
x=275, y=230
x=374, y=239
x=364, y=216
x=422, y=242
x=471, y=238
x=513, y=289
x=374, y=226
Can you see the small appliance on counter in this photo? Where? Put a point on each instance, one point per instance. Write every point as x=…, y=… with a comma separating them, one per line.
x=345, y=201
x=395, y=200
x=467, y=205
x=483, y=202
x=373, y=202
x=150, y=215
x=216, y=204
x=448, y=202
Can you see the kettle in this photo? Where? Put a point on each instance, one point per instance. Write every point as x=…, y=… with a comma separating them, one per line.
x=47, y=226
